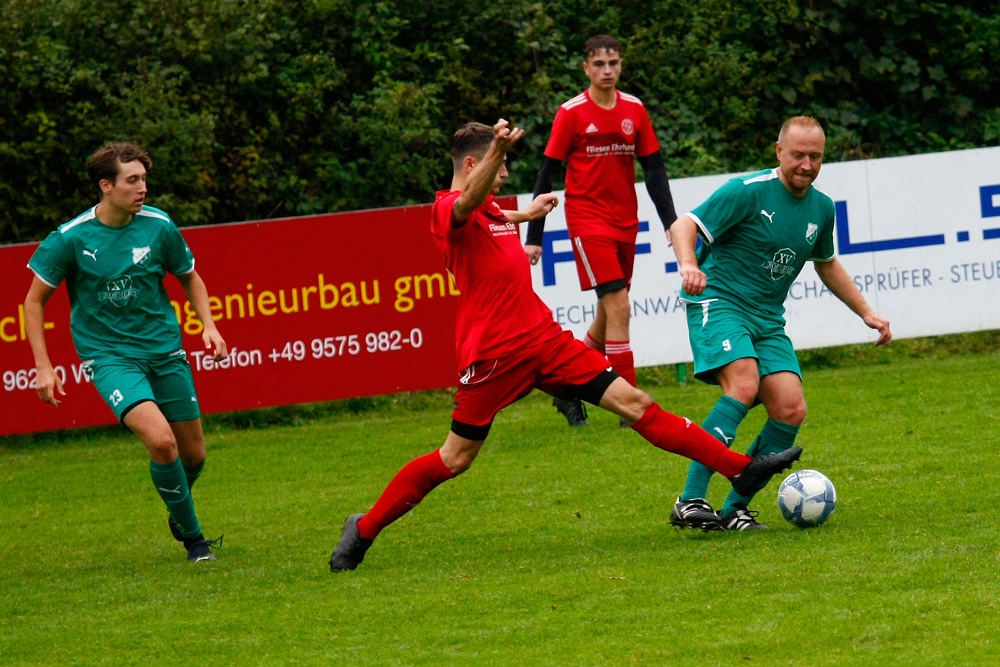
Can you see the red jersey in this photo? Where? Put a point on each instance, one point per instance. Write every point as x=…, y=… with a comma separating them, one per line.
x=600, y=146
x=498, y=311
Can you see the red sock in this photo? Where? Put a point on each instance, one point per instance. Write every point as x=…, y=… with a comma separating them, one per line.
x=680, y=436
x=590, y=341
x=620, y=355
x=405, y=491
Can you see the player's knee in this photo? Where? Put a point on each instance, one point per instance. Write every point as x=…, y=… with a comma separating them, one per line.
x=744, y=389
x=791, y=412
x=162, y=446
x=459, y=462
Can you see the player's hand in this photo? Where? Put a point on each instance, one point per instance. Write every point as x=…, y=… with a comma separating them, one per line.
x=693, y=279
x=534, y=253
x=882, y=325
x=504, y=136
x=213, y=341
x=47, y=383
x=541, y=206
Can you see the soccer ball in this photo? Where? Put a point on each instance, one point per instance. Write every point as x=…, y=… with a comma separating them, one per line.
x=806, y=498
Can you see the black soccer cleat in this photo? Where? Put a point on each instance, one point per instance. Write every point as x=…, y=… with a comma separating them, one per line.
x=175, y=529
x=741, y=520
x=573, y=410
x=762, y=468
x=695, y=513
x=200, y=549
x=351, y=549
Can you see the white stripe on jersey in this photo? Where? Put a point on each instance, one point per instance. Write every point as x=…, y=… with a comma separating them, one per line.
x=82, y=218
x=145, y=211
x=578, y=242
x=39, y=276
x=763, y=177
x=630, y=98
x=701, y=227
x=575, y=102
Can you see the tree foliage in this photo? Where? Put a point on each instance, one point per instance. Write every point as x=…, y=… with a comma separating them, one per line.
x=266, y=108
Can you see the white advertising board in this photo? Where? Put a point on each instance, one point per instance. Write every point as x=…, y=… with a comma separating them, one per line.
x=920, y=235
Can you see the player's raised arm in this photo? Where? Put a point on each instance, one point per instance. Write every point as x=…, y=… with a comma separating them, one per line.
x=481, y=179
x=47, y=382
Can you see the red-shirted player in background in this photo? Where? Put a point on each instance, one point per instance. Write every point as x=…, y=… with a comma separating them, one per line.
x=599, y=133
x=508, y=344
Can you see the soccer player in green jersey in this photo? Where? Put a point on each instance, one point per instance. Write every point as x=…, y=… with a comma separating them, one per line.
x=758, y=231
x=114, y=258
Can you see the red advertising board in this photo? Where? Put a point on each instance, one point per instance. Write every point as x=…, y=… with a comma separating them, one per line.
x=313, y=309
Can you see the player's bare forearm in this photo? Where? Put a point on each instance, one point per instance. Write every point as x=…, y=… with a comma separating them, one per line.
x=684, y=234
x=480, y=181
x=197, y=295
x=47, y=383
x=540, y=206
x=837, y=280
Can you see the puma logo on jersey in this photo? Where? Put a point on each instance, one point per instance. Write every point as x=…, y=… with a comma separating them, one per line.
x=592, y=128
x=727, y=440
x=768, y=216
x=92, y=255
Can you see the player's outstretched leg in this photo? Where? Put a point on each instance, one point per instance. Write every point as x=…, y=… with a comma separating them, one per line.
x=352, y=547
x=410, y=485
x=762, y=468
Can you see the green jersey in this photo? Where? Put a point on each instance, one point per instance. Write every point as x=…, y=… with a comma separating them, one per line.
x=114, y=276
x=757, y=237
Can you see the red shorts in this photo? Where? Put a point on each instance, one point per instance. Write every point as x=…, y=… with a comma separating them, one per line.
x=600, y=260
x=554, y=365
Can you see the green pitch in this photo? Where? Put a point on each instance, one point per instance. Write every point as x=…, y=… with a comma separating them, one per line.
x=553, y=550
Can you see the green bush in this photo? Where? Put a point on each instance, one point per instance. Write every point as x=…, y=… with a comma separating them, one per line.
x=259, y=108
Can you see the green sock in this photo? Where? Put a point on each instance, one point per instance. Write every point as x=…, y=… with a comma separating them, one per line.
x=171, y=483
x=721, y=424
x=192, y=473
x=774, y=437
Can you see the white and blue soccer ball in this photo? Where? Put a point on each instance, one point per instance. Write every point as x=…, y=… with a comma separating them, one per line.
x=807, y=498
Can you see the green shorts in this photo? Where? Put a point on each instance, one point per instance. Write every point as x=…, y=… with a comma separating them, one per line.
x=125, y=383
x=721, y=333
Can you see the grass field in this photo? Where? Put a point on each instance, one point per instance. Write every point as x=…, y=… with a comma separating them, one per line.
x=553, y=550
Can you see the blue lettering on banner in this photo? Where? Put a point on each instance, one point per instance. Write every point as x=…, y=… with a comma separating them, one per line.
x=845, y=247
x=987, y=195
x=975, y=272
x=550, y=258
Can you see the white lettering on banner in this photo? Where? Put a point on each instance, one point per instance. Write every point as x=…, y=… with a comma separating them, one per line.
x=916, y=234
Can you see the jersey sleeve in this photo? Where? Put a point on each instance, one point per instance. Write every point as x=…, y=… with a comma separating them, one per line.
x=178, y=258
x=441, y=218
x=51, y=259
x=723, y=210
x=824, y=249
x=648, y=143
x=561, y=139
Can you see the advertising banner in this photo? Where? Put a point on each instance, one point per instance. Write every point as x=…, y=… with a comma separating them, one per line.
x=313, y=309
x=920, y=235
x=357, y=304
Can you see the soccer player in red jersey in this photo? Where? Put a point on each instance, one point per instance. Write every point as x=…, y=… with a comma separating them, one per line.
x=599, y=133
x=508, y=344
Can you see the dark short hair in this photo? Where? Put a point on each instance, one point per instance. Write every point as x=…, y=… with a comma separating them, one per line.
x=103, y=164
x=470, y=139
x=598, y=42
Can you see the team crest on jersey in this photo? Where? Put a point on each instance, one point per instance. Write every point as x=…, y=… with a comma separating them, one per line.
x=118, y=291
x=628, y=129
x=781, y=265
x=811, y=230
x=140, y=256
